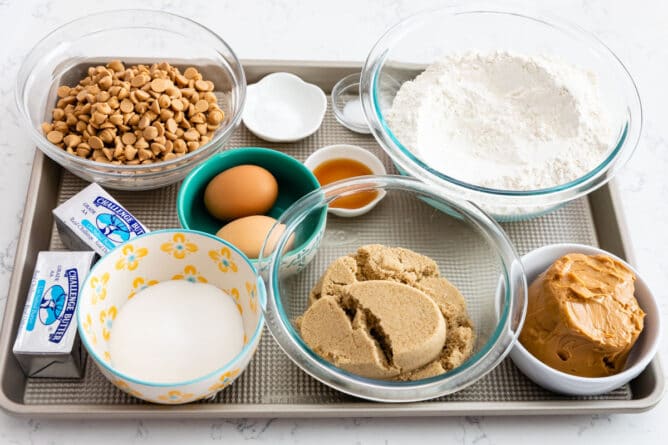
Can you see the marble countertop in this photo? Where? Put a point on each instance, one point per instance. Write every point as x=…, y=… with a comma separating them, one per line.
x=345, y=30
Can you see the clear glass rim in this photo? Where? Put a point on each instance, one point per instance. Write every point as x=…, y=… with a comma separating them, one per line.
x=121, y=171
x=620, y=152
x=480, y=363
x=350, y=81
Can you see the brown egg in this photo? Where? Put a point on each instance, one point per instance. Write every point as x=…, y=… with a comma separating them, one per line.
x=241, y=191
x=248, y=234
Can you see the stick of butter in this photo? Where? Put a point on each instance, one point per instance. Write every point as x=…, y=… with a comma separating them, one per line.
x=93, y=220
x=46, y=343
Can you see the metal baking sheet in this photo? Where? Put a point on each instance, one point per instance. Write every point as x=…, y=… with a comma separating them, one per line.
x=272, y=385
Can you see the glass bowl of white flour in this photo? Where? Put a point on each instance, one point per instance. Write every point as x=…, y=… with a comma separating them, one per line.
x=513, y=110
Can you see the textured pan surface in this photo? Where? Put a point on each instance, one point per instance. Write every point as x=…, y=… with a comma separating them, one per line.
x=271, y=378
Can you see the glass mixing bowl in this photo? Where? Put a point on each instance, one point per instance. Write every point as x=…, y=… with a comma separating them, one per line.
x=409, y=47
x=470, y=249
x=133, y=36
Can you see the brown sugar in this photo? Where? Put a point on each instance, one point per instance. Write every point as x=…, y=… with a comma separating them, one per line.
x=386, y=313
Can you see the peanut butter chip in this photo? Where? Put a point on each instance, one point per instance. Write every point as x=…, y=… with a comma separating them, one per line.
x=191, y=135
x=127, y=106
x=139, y=81
x=130, y=152
x=150, y=133
x=164, y=101
x=98, y=118
x=215, y=117
x=108, y=153
x=143, y=122
x=55, y=137
x=180, y=146
x=177, y=105
x=95, y=142
x=201, y=106
x=116, y=119
x=104, y=108
x=72, y=140
x=135, y=114
x=63, y=91
x=142, y=95
x=171, y=125
x=105, y=82
x=159, y=85
x=116, y=65
x=128, y=138
x=190, y=73
x=203, y=85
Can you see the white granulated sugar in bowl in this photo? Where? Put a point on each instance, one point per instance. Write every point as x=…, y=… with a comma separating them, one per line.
x=504, y=121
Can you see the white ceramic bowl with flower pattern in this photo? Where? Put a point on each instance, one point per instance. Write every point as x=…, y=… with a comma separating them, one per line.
x=173, y=254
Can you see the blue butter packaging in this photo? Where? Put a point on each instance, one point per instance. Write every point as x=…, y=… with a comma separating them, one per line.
x=93, y=220
x=47, y=344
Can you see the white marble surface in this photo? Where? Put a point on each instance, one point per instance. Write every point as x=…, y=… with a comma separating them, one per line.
x=345, y=30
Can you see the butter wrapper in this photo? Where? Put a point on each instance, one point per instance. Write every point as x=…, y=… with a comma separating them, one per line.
x=47, y=344
x=93, y=220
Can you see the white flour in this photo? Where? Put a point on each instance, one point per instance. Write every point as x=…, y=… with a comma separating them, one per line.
x=503, y=120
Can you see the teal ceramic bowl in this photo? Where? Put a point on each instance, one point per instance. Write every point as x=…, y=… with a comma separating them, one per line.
x=294, y=181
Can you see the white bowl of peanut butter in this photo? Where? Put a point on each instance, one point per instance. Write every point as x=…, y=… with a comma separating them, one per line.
x=592, y=323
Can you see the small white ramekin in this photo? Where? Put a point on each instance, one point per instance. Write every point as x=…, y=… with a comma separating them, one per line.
x=536, y=262
x=283, y=108
x=355, y=153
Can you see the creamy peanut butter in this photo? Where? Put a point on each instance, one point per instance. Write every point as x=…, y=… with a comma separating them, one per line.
x=582, y=317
